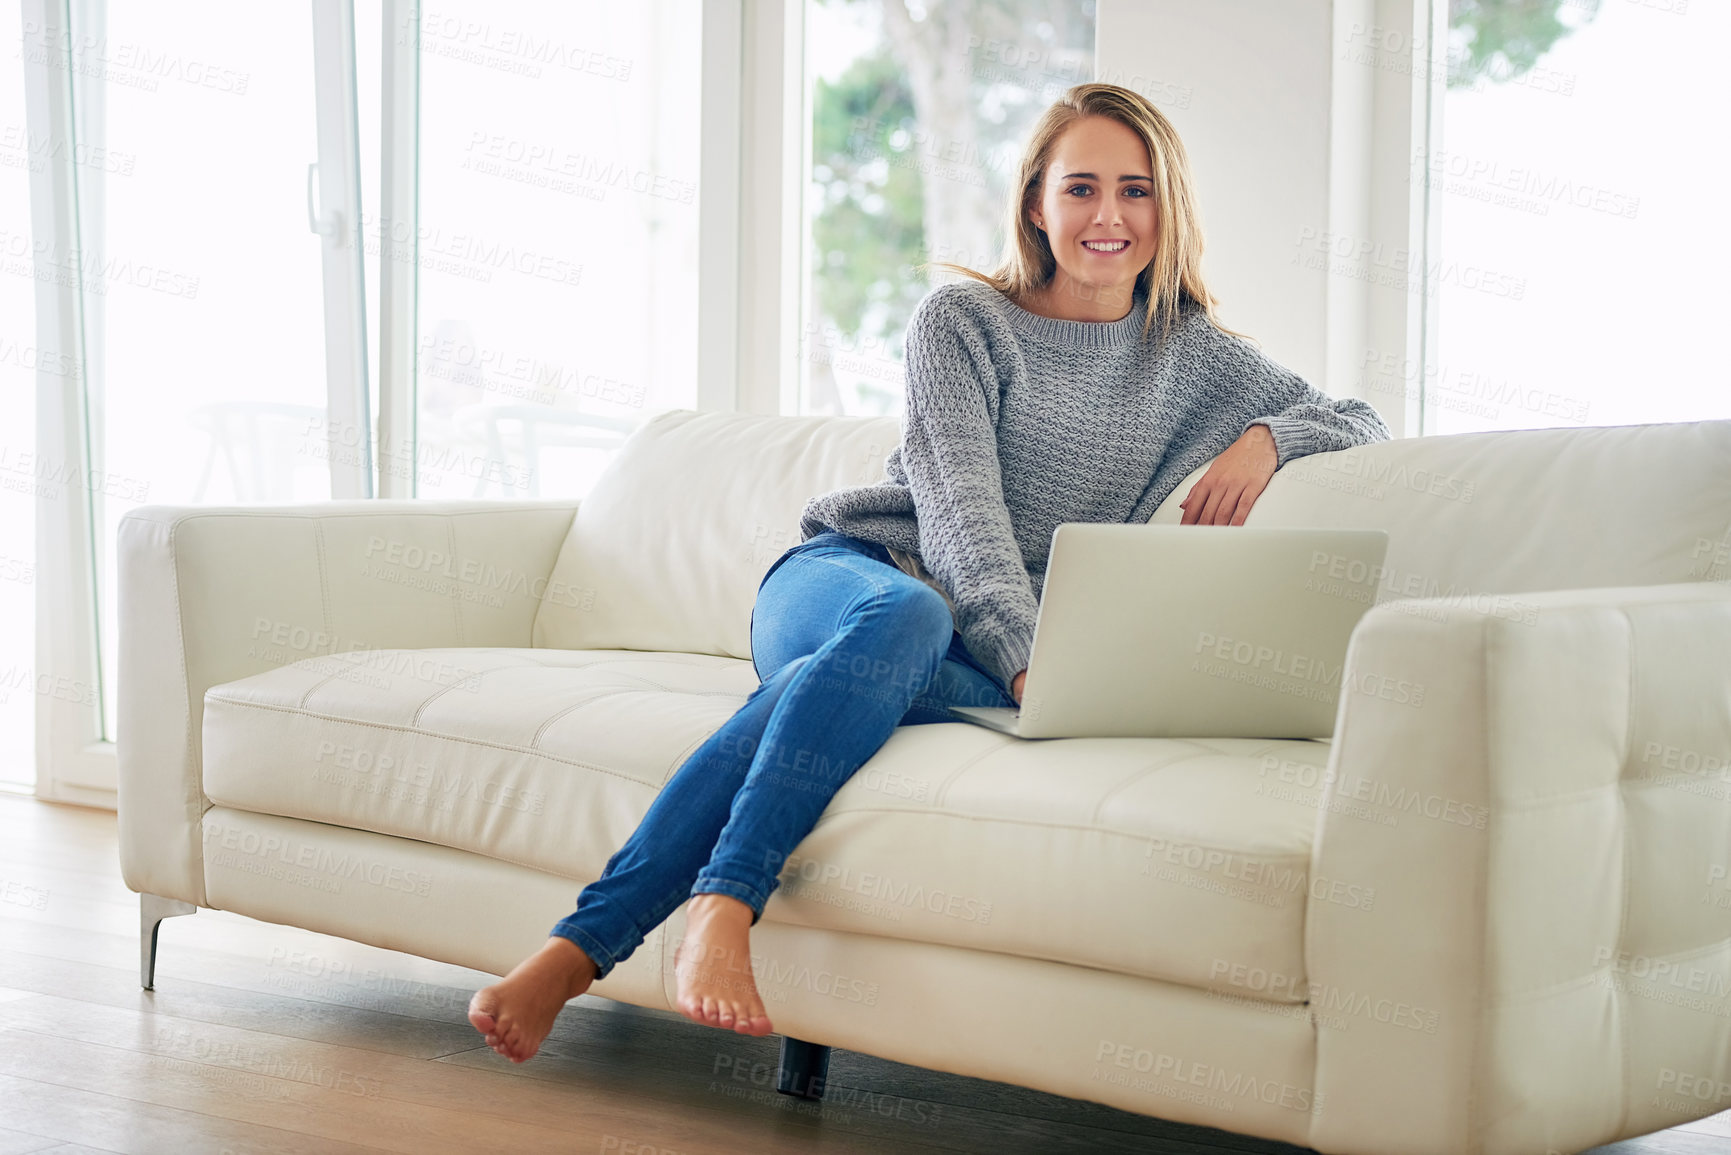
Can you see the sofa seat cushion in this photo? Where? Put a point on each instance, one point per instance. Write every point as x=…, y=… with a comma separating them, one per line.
x=1183, y=860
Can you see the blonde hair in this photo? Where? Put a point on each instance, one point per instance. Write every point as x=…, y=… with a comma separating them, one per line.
x=1175, y=273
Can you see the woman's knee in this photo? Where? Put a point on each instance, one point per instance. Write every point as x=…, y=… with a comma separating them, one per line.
x=921, y=611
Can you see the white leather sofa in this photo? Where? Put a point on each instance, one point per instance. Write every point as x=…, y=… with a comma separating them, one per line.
x=1492, y=915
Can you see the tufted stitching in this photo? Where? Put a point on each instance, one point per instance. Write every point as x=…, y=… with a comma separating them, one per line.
x=443, y=690
x=1594, y=977
x=194, y=736
x=606, y=692
x=942, y=793
x=1566, y=798
x=1480, y=1045
x=1141, y=836
x=456, y=602
x=1619, y=1008
x=355, y=823
x=1141, y=773
x=306, y=696
x=324, y=578
x=459, y=738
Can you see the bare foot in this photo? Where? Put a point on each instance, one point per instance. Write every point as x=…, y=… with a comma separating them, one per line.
x=713, y=965
x=516, y=1012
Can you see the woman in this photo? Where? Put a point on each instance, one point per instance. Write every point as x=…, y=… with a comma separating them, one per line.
x=1081, y=381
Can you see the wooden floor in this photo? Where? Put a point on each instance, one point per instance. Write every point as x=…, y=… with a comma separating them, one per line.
x=261, y=1038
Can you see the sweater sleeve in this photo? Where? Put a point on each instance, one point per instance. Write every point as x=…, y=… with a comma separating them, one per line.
x=950, y=455
x=1302, y=418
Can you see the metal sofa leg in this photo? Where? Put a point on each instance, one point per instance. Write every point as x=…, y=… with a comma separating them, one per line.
x=152, y=909
x=804, y=1069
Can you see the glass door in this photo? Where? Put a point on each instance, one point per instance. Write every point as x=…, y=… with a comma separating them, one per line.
x=204, y=246
x=554, y=239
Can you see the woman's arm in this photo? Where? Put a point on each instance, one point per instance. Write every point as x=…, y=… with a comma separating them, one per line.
x=950, y=455
x=1294, y=419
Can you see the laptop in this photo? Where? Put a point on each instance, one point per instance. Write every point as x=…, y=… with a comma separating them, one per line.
x=1173, y=631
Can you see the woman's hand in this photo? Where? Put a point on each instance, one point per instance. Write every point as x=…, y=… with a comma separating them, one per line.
x=1016, y=686
x=1234, y=482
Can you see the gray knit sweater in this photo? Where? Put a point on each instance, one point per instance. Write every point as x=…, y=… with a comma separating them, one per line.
x=1015, y=423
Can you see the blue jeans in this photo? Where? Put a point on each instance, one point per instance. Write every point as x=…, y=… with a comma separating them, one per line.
x=850, y=648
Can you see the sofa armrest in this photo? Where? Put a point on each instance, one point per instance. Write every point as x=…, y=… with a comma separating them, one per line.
x=211, y=594
x=1535, y=791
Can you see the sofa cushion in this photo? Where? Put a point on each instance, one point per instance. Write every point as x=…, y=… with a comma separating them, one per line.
x=1179, y=860
x=1476, y=514
x=667, y=550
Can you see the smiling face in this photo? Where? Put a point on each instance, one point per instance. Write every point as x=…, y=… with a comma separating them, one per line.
x=1097, y=209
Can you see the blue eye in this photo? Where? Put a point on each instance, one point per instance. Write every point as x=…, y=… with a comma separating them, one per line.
x=1138, y=190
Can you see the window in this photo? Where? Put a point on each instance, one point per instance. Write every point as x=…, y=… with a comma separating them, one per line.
x=918, y=112
x=1580, y=278
x=556, y=248
x=202, y=301
x=21, y=360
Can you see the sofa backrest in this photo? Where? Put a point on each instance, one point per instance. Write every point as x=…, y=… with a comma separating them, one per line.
x=1479, y=514
x=667, y=550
